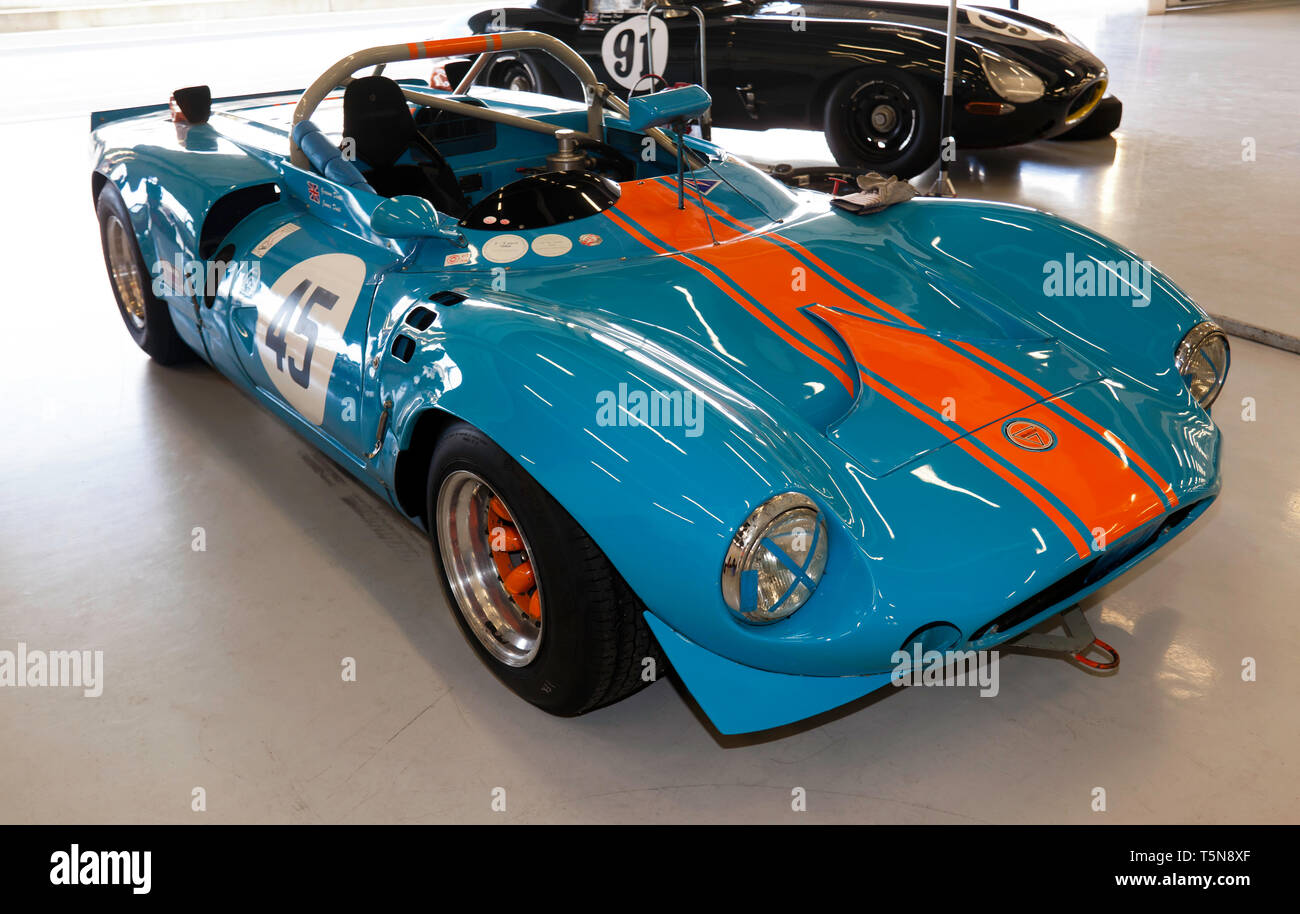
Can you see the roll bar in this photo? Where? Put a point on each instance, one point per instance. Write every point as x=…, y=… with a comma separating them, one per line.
x=340, y=74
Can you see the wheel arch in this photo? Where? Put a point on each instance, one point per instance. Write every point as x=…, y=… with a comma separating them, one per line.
x=637, y=496
x=411, y=466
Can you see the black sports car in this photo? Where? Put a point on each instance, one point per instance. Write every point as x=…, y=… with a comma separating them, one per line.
x=868, y=74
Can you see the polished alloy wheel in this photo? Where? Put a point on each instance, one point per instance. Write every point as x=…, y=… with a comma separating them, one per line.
x=490, y=568
x=124, y=268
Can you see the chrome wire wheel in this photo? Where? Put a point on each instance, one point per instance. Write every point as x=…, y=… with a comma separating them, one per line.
x=490, y=568
x=124, y=269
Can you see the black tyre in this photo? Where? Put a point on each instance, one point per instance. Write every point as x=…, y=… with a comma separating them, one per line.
x=146, y=316
x=1101, y=123
x=515, y=72
x=532, y=593
x=880, y=119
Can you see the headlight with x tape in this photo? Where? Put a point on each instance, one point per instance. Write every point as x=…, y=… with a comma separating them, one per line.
x=776, y=559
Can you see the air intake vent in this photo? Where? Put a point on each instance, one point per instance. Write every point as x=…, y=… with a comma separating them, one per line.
x=447, y=297
x=420, y=318
x=403, y=348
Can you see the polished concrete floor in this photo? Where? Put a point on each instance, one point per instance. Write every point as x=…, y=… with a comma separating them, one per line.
x=222, y=667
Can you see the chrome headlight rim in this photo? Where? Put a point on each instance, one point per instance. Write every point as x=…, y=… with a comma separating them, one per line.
x=998, y=68
x=1075, y=40
x=748, y=540
x=1190, y=347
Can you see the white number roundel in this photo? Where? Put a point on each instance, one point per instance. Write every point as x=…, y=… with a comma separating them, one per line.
x=300, y=327
x=623, y=52
x=994, y=23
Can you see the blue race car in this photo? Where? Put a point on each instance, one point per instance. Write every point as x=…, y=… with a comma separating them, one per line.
x=651, y=404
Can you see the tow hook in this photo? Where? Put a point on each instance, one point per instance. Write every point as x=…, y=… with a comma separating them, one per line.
x=1075, y=644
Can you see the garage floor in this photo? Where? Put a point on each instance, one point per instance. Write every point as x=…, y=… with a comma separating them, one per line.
x=222, y=666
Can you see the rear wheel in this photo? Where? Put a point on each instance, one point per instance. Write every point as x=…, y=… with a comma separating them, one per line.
x=146, y=316
x=882, y=120
x=535, y=597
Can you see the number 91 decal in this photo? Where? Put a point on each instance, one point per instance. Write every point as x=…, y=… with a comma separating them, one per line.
x=623, y=51
x=300, y=327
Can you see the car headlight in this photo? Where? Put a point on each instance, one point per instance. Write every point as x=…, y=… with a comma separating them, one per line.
x=776, y=559
x=1013, y=81
x=1202, y=360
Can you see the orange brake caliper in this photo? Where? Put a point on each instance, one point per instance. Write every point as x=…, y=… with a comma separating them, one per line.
x=517, y=579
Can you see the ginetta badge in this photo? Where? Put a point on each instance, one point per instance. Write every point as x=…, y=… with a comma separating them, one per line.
x=1029, y=435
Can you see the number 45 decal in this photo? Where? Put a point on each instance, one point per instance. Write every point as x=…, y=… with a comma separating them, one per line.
x=305, y=328
x=301, y=327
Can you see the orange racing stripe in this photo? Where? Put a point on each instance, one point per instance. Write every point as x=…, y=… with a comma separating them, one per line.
x=953, y=434
x=472, y=44
x=1123, y=449
x=832, y=367
x=1093, y=482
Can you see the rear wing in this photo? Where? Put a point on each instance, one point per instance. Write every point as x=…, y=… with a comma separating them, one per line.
x=100, y=118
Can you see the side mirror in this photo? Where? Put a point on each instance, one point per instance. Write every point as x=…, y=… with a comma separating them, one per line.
x=659, y=109
x=405, y=217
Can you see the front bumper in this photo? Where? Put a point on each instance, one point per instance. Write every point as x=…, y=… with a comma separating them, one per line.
x=743, y=699
x=1053, y=114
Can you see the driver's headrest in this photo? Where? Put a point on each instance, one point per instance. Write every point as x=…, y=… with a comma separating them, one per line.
x=377, y=120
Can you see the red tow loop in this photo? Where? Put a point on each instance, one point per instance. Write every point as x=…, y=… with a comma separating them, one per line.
x=1098, y=664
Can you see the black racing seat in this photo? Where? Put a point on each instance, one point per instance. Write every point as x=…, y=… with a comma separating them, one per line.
x=379, y=123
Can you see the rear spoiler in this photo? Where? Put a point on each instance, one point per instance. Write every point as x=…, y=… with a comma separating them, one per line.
x=100, y=118
x=201, y=97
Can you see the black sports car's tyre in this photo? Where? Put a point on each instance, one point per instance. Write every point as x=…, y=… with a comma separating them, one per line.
x=519, y=73
x=880, y=119
x=146, y=316
x=1101, y=123
x=534, y=596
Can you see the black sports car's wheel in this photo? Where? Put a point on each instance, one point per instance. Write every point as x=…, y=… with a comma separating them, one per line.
x=146, y=316
x=517, y=73
x=883, y=120
x=535, y=597
x=1101, y=123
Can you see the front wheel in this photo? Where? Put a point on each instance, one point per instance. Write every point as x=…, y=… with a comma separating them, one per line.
x=883, y=120
x=535, y=597
x=1101, y=123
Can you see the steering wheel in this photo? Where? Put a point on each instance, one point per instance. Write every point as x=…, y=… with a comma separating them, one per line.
x=653, y=77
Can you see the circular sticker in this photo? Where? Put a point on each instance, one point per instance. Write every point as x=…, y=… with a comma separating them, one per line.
x=995, y=23
x=505, y=248
x=623, y=52
x=589, y=240
x=551, y=245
